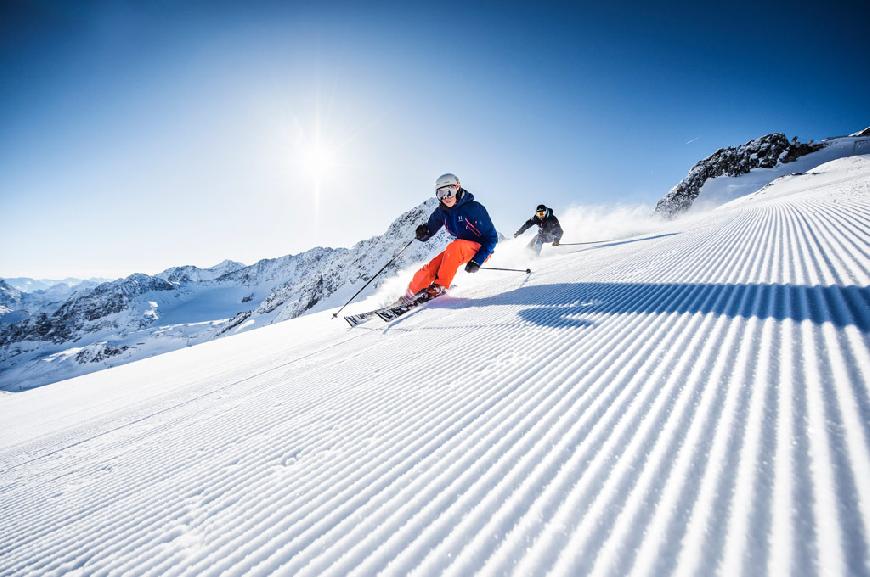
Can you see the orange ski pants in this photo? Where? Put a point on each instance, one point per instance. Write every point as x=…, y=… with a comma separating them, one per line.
x=443, y=267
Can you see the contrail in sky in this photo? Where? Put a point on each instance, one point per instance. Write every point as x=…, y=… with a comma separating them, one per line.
x=693, y=140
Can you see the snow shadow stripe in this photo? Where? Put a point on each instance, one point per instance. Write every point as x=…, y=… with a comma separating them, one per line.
x=839, y=305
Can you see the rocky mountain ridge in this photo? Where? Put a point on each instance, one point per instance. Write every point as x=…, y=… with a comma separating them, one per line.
x=764, y=152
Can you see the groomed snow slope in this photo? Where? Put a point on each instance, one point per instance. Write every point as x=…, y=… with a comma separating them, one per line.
x=692, y=402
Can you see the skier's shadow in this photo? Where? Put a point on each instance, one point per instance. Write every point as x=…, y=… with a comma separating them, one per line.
x=565, y=305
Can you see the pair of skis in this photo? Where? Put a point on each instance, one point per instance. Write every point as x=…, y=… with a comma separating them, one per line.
x=392, y=311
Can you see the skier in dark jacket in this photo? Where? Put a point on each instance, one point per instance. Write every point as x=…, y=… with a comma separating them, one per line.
x=549, y=231
x=465, y=219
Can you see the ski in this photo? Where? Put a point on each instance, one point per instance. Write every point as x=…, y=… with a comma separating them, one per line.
x=358, y=319
x=391, y=311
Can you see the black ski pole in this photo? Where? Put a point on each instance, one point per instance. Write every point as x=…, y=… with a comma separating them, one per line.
x=335, y=314
x=579, y=243
x=525, y=270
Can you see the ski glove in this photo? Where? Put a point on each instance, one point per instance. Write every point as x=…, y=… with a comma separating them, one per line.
x=472, y=266
x=423, y=233
x=556, y=242
x=516, y=234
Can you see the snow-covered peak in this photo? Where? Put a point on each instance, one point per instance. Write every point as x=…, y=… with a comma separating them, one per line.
x=338, y=273
x=766, y=151
x=189, y=273
x=270, y=269
x=226, y=266
x=134, y=284
x=736, y=171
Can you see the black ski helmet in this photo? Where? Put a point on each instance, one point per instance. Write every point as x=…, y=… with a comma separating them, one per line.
x=541, y=208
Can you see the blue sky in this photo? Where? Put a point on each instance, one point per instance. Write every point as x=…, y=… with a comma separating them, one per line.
x=142, y=135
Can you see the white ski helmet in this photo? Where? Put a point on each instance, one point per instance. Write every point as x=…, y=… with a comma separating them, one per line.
x=446, y=179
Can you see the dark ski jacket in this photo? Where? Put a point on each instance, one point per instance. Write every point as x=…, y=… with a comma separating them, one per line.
x=549, y=226
x=466, y=220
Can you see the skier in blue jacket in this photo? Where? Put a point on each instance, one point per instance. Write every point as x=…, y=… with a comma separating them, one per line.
x=467, y=221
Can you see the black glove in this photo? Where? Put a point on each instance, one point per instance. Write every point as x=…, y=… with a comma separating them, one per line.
x=516, y=234
x=556, y=242
x=423, y=233
x=472, y=266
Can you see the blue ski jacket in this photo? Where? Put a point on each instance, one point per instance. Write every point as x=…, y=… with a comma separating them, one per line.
x=466, y=220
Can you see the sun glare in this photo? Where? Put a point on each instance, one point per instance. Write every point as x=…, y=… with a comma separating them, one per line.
x=319, y=161
x=316, y=157
x=322, y=154
x=316, y=161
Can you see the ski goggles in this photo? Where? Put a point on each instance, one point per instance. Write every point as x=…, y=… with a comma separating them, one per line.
x=540, y=212
x=446, y=191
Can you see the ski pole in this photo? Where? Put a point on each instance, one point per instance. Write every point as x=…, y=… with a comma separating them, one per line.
x=579, y=243
x=335, y=314
x=525, y=270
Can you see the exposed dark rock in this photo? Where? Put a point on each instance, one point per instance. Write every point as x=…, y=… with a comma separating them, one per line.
x=234, y=322
x=764, y=152
x=100, y=352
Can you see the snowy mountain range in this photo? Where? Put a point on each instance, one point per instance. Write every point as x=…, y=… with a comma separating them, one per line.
x=732, y=172
x=23, y=297
x=42, y=341
x=31, y=285
x=690, y=401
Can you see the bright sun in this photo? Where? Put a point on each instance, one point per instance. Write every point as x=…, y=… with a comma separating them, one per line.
x=316, y=157
x=317, y=163
x=319, y=160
